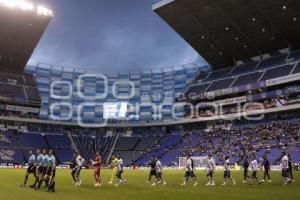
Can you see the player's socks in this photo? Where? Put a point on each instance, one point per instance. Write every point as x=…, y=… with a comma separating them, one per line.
x=39, y=184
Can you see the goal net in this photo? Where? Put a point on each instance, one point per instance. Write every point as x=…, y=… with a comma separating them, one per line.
x=199, y=162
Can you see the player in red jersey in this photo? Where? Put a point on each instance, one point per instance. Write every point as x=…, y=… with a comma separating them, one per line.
x=97, y=165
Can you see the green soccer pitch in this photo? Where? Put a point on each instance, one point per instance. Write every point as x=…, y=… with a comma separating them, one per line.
x=138, y=189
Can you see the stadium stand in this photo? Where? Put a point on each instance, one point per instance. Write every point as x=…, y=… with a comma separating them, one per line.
x=87, y=145
x=127, y=143
x=268, y=137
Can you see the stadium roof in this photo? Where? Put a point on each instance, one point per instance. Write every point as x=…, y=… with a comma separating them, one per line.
x=224, y=31
x=21, y=27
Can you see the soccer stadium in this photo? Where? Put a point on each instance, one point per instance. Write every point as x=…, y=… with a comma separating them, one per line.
x=227, y=128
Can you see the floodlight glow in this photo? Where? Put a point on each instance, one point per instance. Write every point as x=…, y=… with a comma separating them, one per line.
x=26, y=6
x=9, y=3
x=41, y=10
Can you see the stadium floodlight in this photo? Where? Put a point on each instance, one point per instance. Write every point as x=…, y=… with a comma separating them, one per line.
x=41, y=10
x=26, y=6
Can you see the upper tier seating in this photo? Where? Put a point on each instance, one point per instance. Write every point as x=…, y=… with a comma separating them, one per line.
x=277, y=72
x=198, y=89
x=218, y=74
x=247, y=79
x=32, y=94
x=272, y=61
x=127, y=143
x=242, y=69
x=12, y=91
x=220, y=84
x=145, y=143
x=202, y=76
x=88, y=145
x=297, y=69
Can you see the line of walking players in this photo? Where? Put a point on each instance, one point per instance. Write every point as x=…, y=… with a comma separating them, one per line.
x=285, y=163
x=43, y=167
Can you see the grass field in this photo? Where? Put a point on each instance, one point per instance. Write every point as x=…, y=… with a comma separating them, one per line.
x=138, y=189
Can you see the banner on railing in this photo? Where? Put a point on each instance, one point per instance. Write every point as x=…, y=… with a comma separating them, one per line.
x=283, y=79
x=22, y=109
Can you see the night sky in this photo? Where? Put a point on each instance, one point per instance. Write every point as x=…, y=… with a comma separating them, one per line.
x=110, y=35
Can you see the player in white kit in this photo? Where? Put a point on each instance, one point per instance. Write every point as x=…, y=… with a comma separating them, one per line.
x=159, y=168
x=78, y=167
x=254, y=166
x=189, y=171
x=285, y=168
x=227, y=172
x=211, y=166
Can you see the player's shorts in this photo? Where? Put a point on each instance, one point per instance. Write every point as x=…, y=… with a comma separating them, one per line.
x=50, y=172
x=227, y=174
x=254, y=173
x=210, y=173
x=189, y=174
x=285, y=172
x=76, y=171
x=119, y=173
x=153, y=172
x=42, y=170
x=159, y=174
x=97, y=170
x=31, y=169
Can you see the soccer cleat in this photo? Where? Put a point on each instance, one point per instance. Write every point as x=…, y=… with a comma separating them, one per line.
x=244, y=181
x=110, y=182
x=263, y=180
x=165, y=183
x=208, y=184
x=223, y=184
x=195, y=184
x=23, y=185
x=183, y=184
x=153, y=184
x=269, y=181
x=213, y=184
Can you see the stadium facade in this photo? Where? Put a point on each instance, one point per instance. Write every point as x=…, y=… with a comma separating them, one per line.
x=141, y=90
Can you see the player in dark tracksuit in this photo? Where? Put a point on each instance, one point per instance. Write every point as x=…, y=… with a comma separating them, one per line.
x=266, y=165
x=152, y=173
x=73, y=167
x=245, y=167
x=290, y=168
